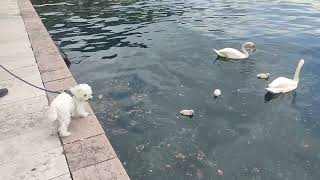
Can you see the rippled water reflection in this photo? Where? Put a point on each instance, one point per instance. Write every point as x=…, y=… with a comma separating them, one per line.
x=150, y=59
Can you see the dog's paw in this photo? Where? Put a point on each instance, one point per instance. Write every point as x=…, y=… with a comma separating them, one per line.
x=65, y=134
x=85, y=114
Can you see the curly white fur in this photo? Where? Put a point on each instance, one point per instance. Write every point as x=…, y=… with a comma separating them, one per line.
x=64, y=106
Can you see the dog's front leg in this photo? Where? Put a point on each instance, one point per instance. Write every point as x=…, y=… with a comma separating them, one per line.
x=81, y=110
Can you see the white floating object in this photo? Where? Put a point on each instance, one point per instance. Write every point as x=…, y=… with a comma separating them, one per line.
x=217, y=92
x=263, y=75
x=100, y=96
x=220, y=172
x=187, y=112
x=283, y=85
x=236, y=54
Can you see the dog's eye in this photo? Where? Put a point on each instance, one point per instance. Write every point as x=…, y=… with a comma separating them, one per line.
x=85, y=95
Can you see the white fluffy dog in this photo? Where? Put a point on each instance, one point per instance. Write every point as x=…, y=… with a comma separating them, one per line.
x=69, y=103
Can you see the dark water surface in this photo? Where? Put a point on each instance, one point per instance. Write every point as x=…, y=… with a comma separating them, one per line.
x=150, y=59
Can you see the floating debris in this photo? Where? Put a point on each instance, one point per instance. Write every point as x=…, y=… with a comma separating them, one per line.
x=100, y=96
x=180, y=156
x=217, y=92
x=220, y=172
x=140, y=148
x=255, y=170
x=263, y=75
x=189, y=113
x=168, y=166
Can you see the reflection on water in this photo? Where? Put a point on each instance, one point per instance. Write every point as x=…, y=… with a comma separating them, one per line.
x=269, y=96
x=150, y=59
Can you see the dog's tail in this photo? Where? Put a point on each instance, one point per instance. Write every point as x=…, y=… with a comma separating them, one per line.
x=52, y=114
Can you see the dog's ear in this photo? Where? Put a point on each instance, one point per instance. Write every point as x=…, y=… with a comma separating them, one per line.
x=76, y=91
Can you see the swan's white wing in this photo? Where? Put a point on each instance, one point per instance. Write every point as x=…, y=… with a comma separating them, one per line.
x=219, y=54
x=282, y=85
x=281, y=82
x=274, y=90
x=232, y=53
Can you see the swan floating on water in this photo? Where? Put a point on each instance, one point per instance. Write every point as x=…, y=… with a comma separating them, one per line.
x=236, y=54
x=283, y=85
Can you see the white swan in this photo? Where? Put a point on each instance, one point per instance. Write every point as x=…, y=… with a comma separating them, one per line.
x=236, y=54
x=283, y=85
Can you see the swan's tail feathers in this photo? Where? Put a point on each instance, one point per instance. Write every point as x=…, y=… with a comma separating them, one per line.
x=273, y=90
x=219, y=54
x=52, y=114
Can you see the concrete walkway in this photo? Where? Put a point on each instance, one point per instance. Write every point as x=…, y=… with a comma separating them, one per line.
x=27, y=150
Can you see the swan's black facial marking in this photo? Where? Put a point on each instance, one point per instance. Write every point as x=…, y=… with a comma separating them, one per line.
x=253, y=48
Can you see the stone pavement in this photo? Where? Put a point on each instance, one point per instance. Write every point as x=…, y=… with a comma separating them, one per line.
x=27, y=150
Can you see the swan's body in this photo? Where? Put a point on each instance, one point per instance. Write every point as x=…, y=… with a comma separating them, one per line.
x=283, y=85
x=236, y=54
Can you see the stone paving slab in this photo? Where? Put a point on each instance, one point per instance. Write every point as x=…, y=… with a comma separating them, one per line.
x=13, y=30
x=11, y=127
x=89, y=152
x=9, y=8
x=63, y=177
x=28, y=144
x=56, y=75
x=19, y=91
x=23, y=107
x=43, y=166
x=51, y=66
x=15, y=48
x=60, y=85
x=83, y=128
x=21, y=72
x=16, y=62
x=107, y=170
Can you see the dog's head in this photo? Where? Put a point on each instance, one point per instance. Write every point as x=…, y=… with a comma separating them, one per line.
x=82, y=92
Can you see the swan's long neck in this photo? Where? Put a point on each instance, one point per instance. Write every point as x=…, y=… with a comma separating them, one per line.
x=297, y=73
x=244, y=50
